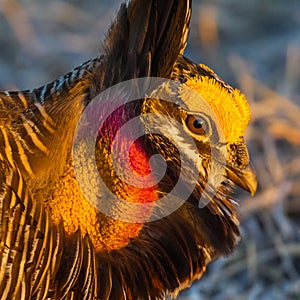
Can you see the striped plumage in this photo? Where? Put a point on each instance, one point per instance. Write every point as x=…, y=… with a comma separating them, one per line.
x=49, y=251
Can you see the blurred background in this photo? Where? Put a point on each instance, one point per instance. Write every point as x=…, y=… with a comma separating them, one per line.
x=255, y=46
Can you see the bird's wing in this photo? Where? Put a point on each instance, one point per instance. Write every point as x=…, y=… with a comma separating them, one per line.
x=35, y=123
x=33, y=251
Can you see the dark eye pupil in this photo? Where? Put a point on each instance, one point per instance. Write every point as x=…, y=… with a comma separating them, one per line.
x=198, y=124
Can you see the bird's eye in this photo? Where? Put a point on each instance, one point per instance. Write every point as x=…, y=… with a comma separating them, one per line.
x=197, y=125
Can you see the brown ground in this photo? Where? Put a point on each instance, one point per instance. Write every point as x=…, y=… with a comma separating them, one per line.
x=255, y=45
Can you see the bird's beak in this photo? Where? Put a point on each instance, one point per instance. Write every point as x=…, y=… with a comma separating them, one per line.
x=244, y=178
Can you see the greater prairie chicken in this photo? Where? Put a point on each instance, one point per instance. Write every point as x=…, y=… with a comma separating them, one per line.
x=56, y=244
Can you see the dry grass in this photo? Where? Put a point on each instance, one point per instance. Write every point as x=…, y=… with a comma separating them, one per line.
x=42, y=40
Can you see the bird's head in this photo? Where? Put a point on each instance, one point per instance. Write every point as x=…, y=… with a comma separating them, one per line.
x=223, y=125
x=200, y=133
